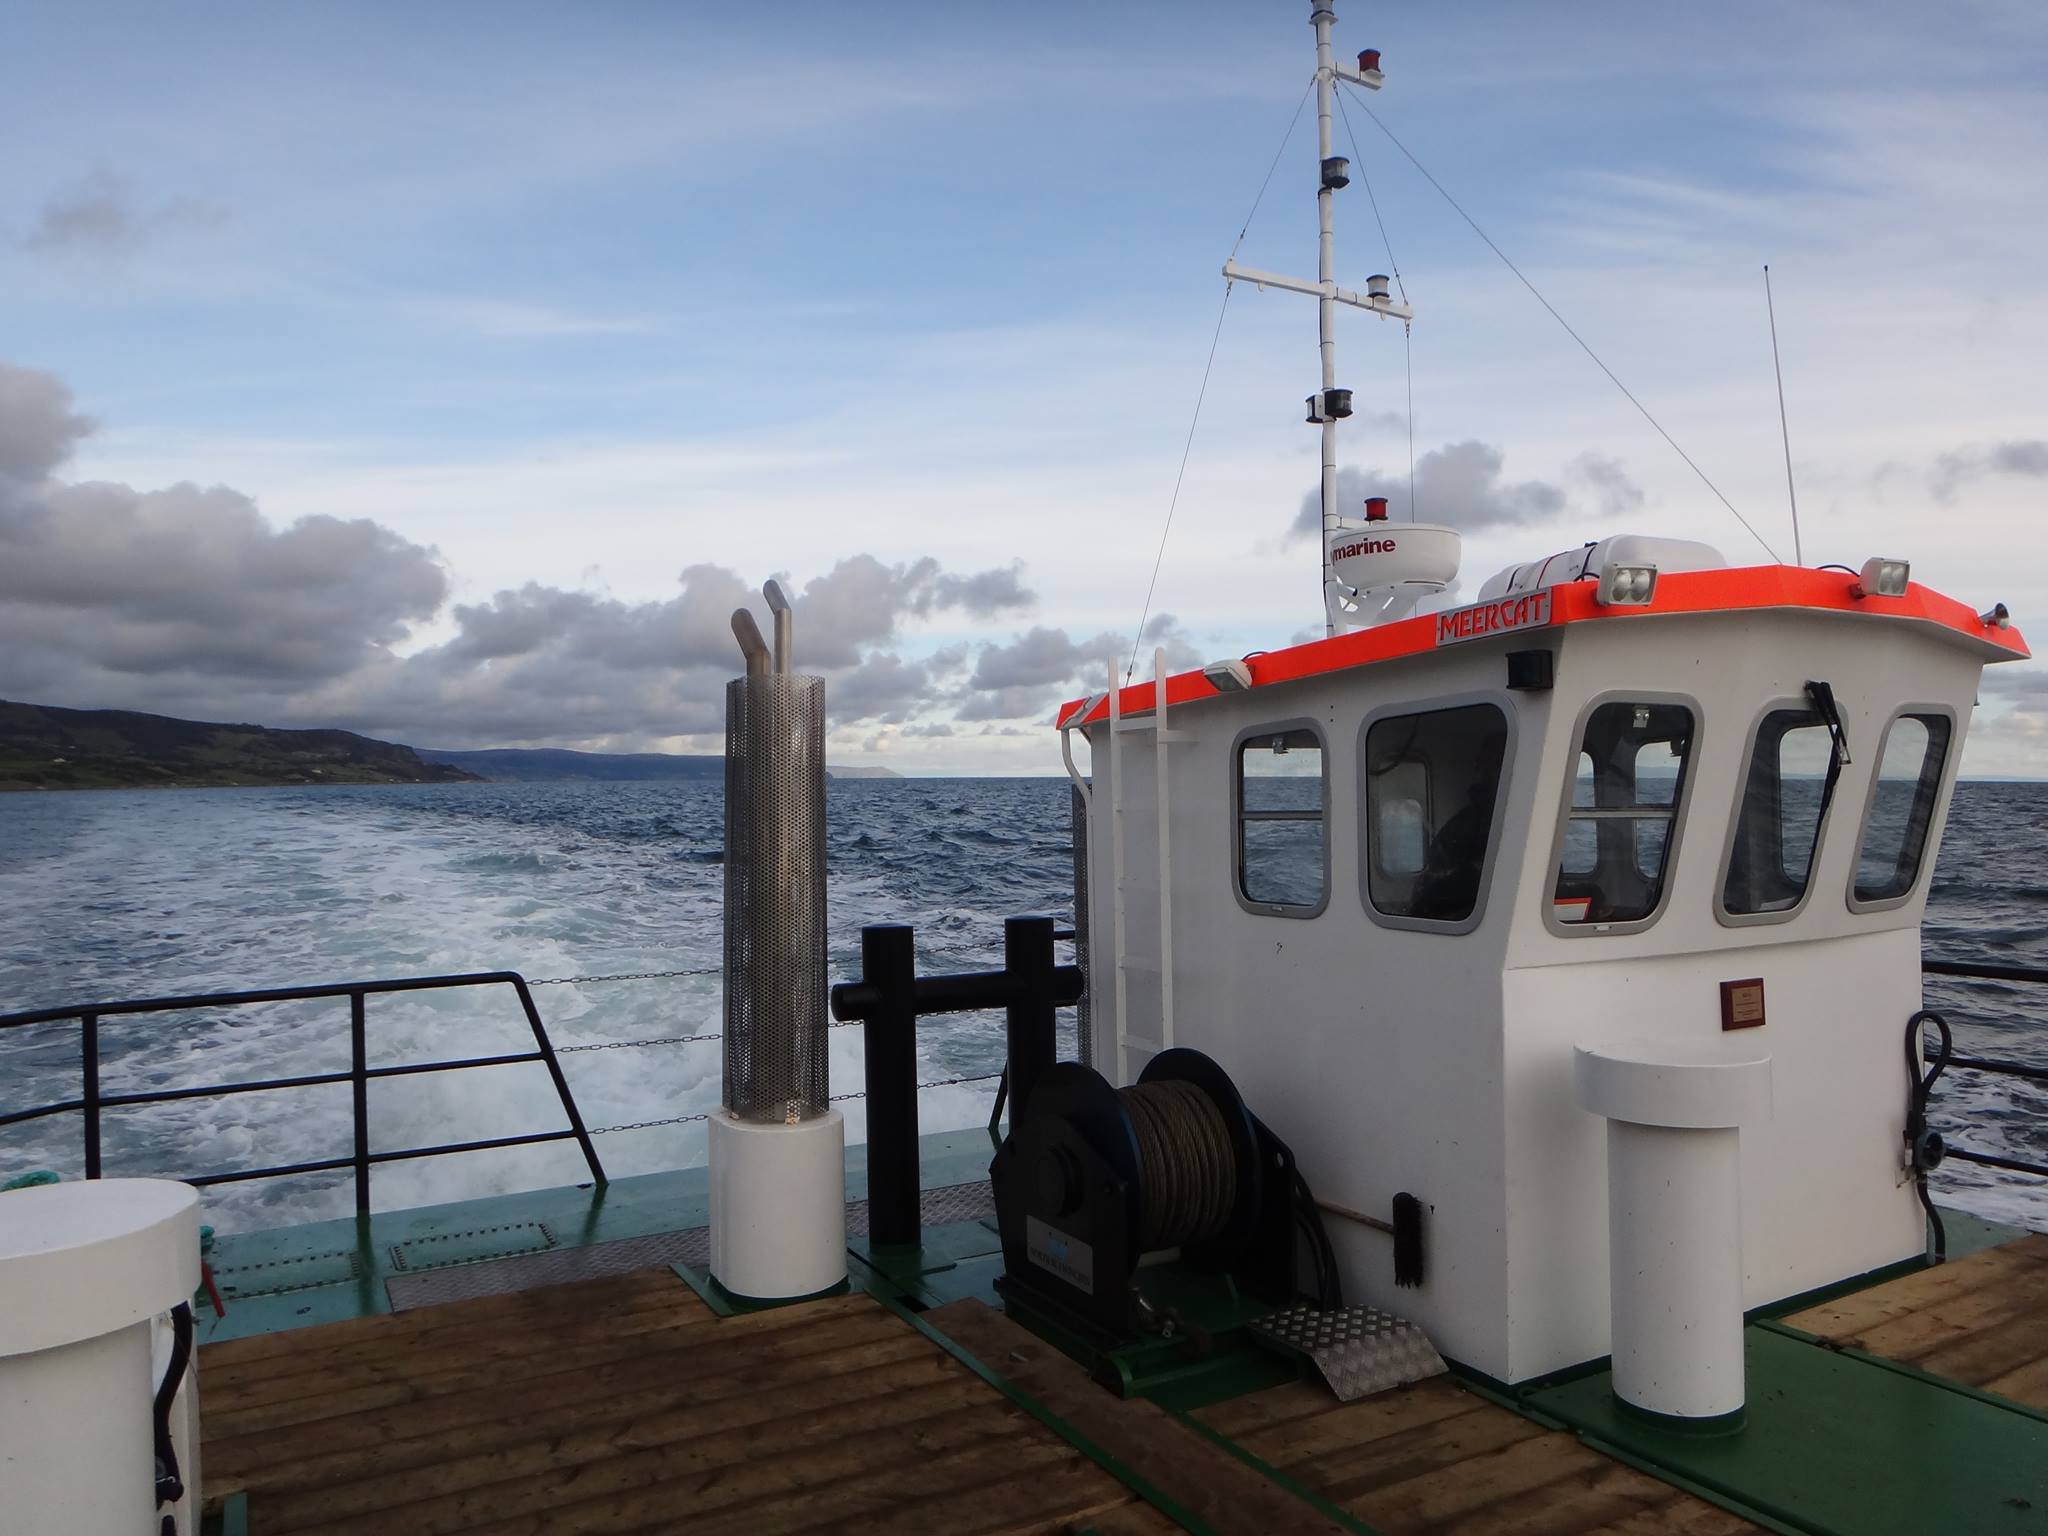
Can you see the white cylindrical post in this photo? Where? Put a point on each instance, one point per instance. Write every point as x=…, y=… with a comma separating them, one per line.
x=1674, y=1235
x=1674, y=1215
x=778, y=1206
x=86, y=1269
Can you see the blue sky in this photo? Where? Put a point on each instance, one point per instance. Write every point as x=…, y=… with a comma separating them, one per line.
x=569, y=301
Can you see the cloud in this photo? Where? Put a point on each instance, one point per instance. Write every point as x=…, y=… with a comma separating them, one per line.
x=38, y=428
x=1618, y=495
x=101, y=212
x=987, y=593
x=188, y=600
x=194, y=582
x=2023, y=458
x=1459, y=484
x=1025, y=678
x=1041, y=657
x=100, y=581
x=513, y=318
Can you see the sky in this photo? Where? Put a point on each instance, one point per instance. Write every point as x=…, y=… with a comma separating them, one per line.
x=450, y=373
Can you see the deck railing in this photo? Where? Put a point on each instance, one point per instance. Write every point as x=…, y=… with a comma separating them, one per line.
x=93, y=1101
x=1927, y=1066
x=855, y=1001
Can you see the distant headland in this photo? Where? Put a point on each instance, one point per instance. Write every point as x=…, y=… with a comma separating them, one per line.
x=45, y=747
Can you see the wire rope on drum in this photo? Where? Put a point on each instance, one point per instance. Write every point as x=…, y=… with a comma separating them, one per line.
x=1186, y=1162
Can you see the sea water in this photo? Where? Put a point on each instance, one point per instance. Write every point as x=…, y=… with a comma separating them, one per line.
x=118, y=894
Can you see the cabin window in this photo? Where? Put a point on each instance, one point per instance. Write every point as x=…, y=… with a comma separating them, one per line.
x=1283, y=795
x=1901, y=807
x=1432, y=784
x=1625, y=796
x=1793, y=764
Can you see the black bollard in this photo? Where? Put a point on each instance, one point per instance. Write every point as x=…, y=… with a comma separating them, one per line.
x=1028, y=960
x=888, y=960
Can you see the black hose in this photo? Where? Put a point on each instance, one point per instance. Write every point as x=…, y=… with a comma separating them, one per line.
x=1924, y=1147
x=1329, y=1285
x=170, y=1486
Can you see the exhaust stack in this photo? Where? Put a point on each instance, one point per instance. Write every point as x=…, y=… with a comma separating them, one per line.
x=777, y=1148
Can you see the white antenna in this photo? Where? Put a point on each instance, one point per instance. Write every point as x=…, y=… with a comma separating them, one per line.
x=1791, y=495
x=1330, y=404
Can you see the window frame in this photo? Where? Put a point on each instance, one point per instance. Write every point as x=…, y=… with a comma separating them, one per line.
x=1688, y=774
x=1238, y=818
x=1949, y=760
x=1436, y=704
x=1801, y=704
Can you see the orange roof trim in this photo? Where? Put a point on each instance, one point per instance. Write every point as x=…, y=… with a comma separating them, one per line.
x=1730, y=591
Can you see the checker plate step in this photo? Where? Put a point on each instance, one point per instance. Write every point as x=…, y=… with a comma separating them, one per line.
x=1358, y=1350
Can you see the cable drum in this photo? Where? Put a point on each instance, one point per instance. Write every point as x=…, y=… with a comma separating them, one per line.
x=1187, y=1164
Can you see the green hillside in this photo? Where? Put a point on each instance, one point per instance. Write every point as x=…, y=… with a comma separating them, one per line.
x=47, y=748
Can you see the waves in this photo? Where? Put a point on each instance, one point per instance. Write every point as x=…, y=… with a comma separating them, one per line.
x=129, y=894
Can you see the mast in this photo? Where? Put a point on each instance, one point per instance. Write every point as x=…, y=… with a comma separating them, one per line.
x=1326, y=277
x=1330, y=404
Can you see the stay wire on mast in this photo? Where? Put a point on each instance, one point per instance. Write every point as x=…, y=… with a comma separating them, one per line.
x=1627, y=393
x=1201, y=394
x=1186, y=448
x=1407, y=326
x=1285, y=139
x=1791, y=495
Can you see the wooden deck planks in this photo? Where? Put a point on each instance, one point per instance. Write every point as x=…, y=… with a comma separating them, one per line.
x=1980, y=1320
x=1203, y=1479
x=623, y=1404
x=1436, y=1458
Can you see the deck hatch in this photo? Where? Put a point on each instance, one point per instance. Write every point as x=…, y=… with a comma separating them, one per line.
x=294, y=1272
x=472, y=1245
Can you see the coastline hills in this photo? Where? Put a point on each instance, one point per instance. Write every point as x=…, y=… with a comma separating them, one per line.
x=46, y=747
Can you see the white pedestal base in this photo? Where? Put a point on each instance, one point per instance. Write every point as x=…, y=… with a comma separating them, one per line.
x=86, y=1267
x=1674, y=1215
x=778, y=1206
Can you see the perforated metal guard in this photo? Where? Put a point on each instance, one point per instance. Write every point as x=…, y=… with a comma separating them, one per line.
x=1359, y=1350
x=775, y=1054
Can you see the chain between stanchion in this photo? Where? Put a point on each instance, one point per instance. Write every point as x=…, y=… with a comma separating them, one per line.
x=837, y=1098
x=646, y=1125
x=620, y=1045
x=563, y=981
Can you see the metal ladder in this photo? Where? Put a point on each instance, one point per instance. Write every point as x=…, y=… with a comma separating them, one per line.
x=1160, y=964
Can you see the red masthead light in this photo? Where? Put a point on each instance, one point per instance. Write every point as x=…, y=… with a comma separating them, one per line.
x=1375, y=509
x=1368, y=61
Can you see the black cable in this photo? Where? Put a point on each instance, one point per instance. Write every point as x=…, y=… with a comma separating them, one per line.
x=170, y=1486
x=1329, y=1291
x=1925, y=1147
x=1612, y=377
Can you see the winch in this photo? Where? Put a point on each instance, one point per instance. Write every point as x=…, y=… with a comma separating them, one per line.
x=1096, y=1185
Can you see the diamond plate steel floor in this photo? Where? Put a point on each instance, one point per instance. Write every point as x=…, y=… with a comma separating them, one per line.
x=494, y=1277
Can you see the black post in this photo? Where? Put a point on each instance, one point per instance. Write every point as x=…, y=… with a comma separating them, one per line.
x=1027, y=956
x=889, y=965
x=359, y=1090
x=546, y=1047
x=89, y=1052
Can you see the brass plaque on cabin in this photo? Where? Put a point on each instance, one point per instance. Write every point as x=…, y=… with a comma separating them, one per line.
x=1742, y=1003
